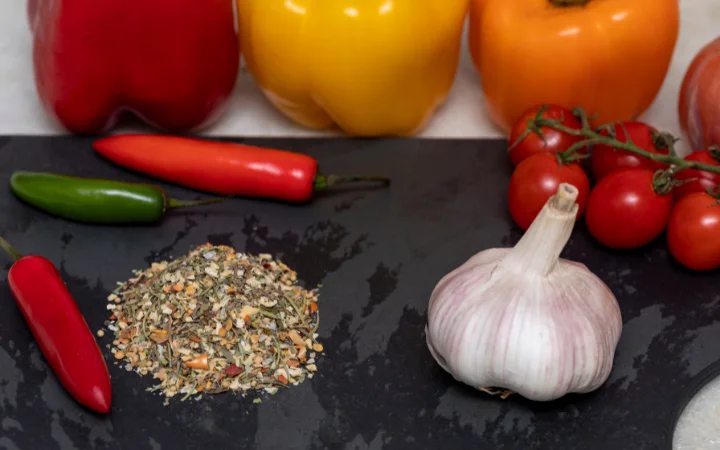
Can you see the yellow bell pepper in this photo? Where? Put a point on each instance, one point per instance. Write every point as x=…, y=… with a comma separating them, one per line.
x=370, y=67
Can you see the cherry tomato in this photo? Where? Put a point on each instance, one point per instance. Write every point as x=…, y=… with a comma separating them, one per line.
x=703, y=180
x=625, y=212
x=555, y=141
x=605, y=159
x=694, y=232
x=537, y=179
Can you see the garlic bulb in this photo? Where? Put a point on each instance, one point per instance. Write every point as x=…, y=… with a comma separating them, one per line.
x=523, y=319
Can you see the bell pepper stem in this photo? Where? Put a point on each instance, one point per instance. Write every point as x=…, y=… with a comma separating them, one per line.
x=322, y=182
x=9, y=248
x=172, y=203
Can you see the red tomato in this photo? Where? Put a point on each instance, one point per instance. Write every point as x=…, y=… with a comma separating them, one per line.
x=605, y=159
x=703, y=180
x=694, y=232
x=555, y=141
x=624, y=211
x=537, y=179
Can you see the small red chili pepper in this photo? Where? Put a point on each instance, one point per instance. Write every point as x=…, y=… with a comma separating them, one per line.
x=223, y=167
x=60, y=329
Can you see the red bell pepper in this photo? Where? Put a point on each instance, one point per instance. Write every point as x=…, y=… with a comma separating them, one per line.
x=173, y=63
x=60, y=329
x=223, y=167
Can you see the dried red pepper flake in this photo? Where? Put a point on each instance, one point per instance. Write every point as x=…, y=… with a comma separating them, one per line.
x=232, y=370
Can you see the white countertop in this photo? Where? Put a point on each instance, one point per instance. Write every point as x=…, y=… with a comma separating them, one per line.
x=250, y=115
x=462, y=116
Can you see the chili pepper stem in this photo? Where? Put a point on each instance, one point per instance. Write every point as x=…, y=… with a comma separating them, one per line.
x=593, y=138
x=9, y=248
x=172, y=203
x=322, y=182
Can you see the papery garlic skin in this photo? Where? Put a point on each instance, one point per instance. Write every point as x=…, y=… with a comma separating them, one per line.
x=540, y=327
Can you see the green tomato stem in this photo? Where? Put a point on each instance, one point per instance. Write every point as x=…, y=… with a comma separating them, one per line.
x=592, y=137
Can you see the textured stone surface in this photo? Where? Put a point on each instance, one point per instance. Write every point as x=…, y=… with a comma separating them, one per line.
x=377, y=254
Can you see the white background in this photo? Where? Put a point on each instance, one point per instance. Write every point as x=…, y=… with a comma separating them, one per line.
x=250, y=115
x=462, y=116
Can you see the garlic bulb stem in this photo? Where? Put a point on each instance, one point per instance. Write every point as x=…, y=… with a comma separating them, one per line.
x=539, y=249
x=565, y=198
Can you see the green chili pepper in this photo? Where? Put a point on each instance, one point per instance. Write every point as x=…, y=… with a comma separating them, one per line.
x=98, y=201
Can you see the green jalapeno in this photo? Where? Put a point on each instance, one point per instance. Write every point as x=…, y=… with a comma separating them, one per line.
x=98, y=201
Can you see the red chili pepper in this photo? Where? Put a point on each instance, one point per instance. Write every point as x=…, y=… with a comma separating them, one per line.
x=223, y=167
x=60, y=329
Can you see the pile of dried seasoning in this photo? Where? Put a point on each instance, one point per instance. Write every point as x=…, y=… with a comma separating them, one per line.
x=216, y=320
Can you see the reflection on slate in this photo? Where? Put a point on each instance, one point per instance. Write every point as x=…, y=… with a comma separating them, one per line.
x=378, y=254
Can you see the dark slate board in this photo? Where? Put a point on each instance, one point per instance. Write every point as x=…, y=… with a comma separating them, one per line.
x=378, y=255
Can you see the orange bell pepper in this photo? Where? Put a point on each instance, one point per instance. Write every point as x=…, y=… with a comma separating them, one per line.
x=370, y=67
x=608, y=56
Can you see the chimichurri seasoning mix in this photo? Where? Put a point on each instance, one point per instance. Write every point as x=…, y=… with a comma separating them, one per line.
x=216, y=320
